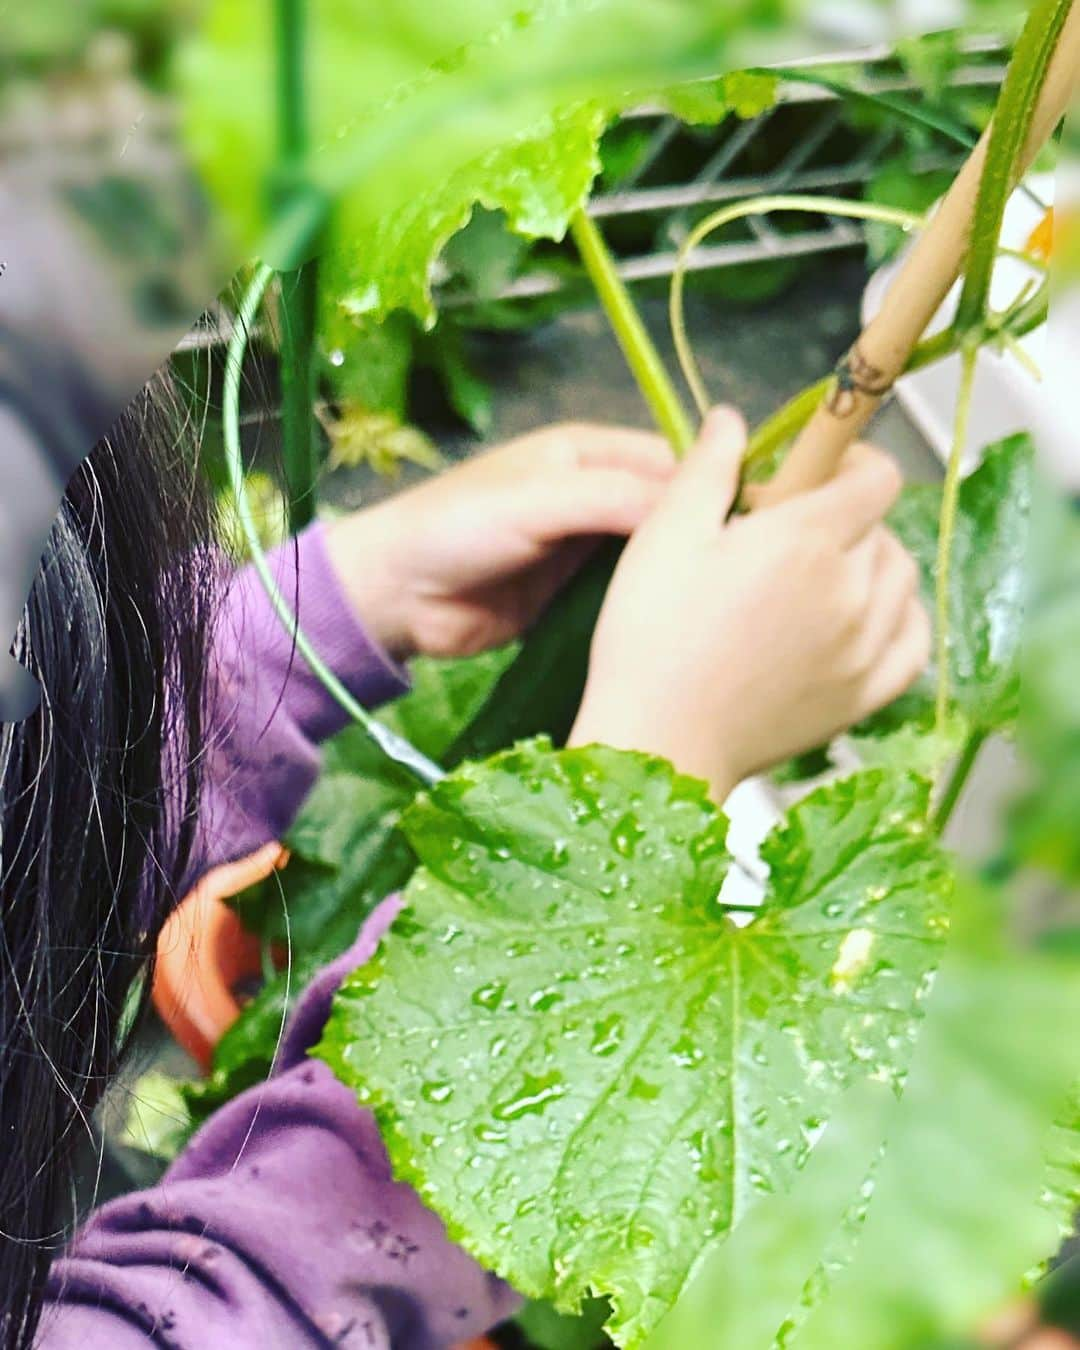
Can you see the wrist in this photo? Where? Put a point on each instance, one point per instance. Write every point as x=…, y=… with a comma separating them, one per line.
x=625, y=726
x=362, y=555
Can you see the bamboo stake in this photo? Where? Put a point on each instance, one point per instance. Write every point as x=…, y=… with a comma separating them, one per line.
x=880, y=355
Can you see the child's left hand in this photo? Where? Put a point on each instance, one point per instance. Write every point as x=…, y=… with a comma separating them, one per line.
x=470, y=559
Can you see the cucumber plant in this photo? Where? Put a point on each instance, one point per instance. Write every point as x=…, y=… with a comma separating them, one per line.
x=600, y=1074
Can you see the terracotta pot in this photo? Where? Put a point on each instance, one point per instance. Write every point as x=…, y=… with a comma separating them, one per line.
x=204, y=954
x=1017, y=1327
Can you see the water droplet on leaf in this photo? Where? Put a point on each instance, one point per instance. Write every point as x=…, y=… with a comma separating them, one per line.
x=536, y=1093
x=437, y=1092
x=607, y=1035
x=489, y=996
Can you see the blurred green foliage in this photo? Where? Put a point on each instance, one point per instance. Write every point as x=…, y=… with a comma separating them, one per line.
x=53, y=37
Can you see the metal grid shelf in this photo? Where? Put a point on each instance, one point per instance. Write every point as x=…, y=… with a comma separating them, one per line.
x=719, y=182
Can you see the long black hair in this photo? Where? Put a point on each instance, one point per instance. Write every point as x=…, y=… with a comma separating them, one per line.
x=98, y=796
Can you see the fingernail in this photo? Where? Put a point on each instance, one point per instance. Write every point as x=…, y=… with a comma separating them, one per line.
x=724, y=422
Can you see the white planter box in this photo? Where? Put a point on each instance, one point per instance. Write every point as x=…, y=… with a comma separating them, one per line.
x=1006, y=398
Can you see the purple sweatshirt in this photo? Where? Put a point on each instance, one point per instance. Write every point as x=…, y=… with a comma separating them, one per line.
x=280, y=1227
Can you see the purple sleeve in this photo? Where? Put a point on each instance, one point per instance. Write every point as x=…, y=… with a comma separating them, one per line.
x=267, y=711
x=280, y=1227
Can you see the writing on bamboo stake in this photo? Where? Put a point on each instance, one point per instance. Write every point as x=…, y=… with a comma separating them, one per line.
x=856, y=375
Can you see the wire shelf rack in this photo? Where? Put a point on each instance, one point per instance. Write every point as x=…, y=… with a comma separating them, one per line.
x=815, y=157
x=804, y=145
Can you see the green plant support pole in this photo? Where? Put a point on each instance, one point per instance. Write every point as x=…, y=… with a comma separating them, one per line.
x=300, y=288
x=299, y=298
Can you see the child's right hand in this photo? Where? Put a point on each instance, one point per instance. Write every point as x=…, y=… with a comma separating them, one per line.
x=727, y=646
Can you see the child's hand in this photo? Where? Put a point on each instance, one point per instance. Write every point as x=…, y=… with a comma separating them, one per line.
x=468, y=560
x=727, y=647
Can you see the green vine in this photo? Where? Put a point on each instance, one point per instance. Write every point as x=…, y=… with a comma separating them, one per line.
x=395, y=747
x=1003, y=169
x=757, y=206
x=950, y=795
x=794, y=415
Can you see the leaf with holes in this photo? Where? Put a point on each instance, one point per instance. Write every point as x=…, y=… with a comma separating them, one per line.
x=584, y=1065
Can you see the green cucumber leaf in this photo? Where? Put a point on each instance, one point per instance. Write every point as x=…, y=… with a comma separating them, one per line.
x=484, y=257
x=417, y=120
x=386, y=266
x=970, y=1181
x=931, y=59
x=584, y=1065
x=313, y=909
x=547, y=1329
x=1059, y=1293
x=157, y=1121
x=540, y=691
x=417, y=115
x=987, y=588
x=745, y=1289
x=445, y=697
x=369, y=362
x=745, y=93
x=468, y=393
x=981, y=1175
x=897, y=183
x=348, y=854
x=913, y=748
x=801, y=768
x=244, y=1057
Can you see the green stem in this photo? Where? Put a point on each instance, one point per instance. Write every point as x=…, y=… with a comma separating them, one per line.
x=958, y=780
x=648, y=369
x=393, y=746
x=947, y=529
x=299, y=289
x=1004, y=168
